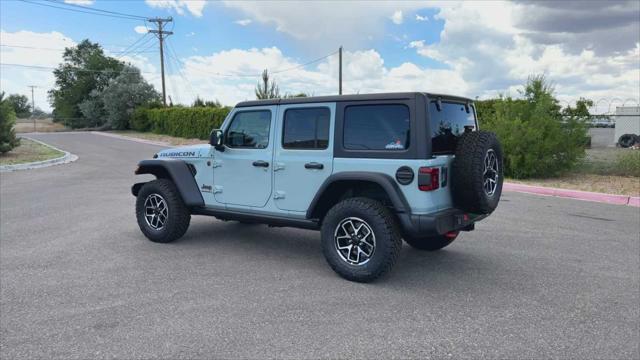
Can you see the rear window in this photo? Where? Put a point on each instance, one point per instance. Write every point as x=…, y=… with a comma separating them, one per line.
x=376, y=127
x=306, y=128
x=448, y=124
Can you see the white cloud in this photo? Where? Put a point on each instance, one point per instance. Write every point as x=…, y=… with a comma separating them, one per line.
x=194, y=7
x=80, y=2
x=140, y=29
x=422, y=18
x=237, y=71
x=190, y=34
x=482, y=43
x=243, y=22
x=15, y=79
x=322, y=26
x=397, y=17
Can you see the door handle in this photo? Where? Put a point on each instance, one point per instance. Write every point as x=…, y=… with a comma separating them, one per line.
x=313, y=165
x=260, y=163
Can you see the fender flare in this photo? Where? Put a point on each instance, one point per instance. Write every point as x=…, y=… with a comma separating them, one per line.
x=177, y=171
x=385, y=181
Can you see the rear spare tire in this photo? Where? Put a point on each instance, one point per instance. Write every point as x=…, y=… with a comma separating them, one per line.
x=477, y=172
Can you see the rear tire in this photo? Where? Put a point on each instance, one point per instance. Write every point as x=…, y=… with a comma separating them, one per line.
x=360, y=239
x=160, y=211
x=430, y=243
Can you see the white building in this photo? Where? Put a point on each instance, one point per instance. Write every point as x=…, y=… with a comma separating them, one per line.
x=627, y=121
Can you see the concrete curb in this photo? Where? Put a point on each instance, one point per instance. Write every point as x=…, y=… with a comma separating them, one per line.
x=135, y=139
x=64, y=159
x=574, y=194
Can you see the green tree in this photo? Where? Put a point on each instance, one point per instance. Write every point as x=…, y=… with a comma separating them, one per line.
x=21, y=105
x=298, y=95
x=85, y=69
x=8, y=138
x=123, y=94
x=267, y=89
x=537, y=141
x=581, y=110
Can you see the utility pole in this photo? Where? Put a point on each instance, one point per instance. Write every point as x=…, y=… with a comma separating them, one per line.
x=340, y=71
x=161, y=34
x=33, y=107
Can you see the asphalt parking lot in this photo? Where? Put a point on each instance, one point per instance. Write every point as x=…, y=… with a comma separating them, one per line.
x=542, y=277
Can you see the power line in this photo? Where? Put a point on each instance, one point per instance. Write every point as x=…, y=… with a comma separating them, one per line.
x=172, y=54
x=132, y=17
x=305, y=64
x=39, y=67
x=136, y=44
x=54, y=49
x=259, y=75
x=98, y=10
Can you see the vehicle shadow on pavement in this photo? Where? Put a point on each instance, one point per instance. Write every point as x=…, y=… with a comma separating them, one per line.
x=288, y=246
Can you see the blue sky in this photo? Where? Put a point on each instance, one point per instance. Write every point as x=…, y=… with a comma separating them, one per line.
x=474, y=49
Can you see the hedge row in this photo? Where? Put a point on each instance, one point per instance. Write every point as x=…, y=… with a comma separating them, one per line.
x=182, y=122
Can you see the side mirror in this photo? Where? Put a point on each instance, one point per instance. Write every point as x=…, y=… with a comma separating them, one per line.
x=215, y=139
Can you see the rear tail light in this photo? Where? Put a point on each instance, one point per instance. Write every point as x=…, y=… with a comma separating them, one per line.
x=428, y=178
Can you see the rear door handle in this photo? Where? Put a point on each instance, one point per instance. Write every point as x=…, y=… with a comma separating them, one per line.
x=260, y=163
x=313, y=165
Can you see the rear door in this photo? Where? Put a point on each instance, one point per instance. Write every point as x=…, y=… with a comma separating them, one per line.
x=303, y=153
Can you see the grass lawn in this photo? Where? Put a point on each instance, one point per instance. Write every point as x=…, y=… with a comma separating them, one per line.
x=42, y=125
x=29, y=151
x=170, y=140
x=604, y=170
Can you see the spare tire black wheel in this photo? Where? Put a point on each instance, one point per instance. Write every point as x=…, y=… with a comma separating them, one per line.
x=477, y=172
x=627, y=140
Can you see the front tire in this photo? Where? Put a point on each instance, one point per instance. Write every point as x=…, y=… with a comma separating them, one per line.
x=360, y=239
x=160, y=211
x=431, y=243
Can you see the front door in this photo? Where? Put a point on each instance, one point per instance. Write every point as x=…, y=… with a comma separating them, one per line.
x=304, y=153
x=242, y=172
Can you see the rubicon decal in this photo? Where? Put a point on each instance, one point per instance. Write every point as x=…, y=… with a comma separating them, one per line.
x=178, y=154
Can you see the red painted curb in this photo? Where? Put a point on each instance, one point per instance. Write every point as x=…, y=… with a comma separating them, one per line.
x=574, y=194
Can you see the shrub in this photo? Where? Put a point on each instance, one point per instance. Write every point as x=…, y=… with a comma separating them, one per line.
x=537, y=141
x=628, y=163
x=182, y=122
x=8, y=138
x=139, y=120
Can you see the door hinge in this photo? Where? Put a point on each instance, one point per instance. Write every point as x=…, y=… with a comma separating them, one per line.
x=217, y=189
x=278, y=166
x=278, y=195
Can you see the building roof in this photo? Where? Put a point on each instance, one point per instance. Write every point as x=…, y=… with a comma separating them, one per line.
x=359, y=97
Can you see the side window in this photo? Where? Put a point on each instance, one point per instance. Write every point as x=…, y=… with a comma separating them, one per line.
x=377, y=127
x=306, y=128
x=249, y=129
x=447, y=124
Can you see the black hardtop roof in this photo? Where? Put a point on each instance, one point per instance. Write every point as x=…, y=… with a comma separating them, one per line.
x=359, y=97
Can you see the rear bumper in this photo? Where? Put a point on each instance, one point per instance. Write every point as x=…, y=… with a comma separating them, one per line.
x=438, y=223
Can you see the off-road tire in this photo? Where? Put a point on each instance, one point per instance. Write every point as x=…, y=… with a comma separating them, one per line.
x=430, y=243
x=467, y=174
x=382, y=222
x=627, y=140
x=179, y=217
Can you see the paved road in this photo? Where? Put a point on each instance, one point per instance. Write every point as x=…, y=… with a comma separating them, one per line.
x=543, y=277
